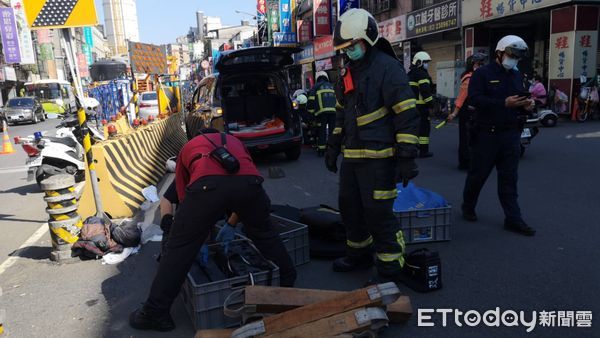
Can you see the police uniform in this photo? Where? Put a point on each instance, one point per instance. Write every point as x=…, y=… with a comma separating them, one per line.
x=206, y=191
x=420, y=82
x=376, y=124
x=321, y=103
x=495, y=137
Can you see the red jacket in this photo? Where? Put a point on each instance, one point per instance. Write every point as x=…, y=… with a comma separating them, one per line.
x=189, y=170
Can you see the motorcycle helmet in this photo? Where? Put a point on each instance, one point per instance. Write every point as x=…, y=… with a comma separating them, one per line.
x=513, y=45
x=322, y=73
x=355, y=24
x=420, y=58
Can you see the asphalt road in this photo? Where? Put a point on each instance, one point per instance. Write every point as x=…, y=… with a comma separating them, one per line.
x=484, y=267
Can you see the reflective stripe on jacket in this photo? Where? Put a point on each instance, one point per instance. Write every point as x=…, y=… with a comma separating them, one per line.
x=321, y=99
x=420, y=82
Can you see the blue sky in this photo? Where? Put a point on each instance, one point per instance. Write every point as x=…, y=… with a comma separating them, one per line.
x=161, y=21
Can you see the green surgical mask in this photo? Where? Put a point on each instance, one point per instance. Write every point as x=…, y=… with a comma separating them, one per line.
x=356, y=52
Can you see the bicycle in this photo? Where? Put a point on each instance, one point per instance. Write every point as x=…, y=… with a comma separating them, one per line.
x=587, y=106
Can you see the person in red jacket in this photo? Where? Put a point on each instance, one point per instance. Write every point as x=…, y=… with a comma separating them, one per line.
x=206, y=192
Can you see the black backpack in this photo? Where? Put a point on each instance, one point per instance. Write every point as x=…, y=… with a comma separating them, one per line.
x=422, y=270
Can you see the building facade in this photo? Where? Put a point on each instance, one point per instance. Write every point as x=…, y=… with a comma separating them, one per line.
x=121, y=24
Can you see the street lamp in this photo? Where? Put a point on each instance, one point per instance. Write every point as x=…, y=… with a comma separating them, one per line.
x=250, y=14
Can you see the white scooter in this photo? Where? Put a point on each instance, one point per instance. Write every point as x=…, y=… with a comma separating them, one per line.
x=530, y=130
x=63, y=154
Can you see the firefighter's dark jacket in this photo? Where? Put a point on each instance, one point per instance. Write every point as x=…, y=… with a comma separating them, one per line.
x=378, y=119
x=420, y=82
x=489, y=87
x=321, y=99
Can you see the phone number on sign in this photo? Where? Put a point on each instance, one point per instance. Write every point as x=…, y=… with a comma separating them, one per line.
x=436, y=26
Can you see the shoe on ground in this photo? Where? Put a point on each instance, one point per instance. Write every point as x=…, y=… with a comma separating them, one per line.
x=351, y=263
x=469, y=214
x=426, y=154
x=519, y=227
x=142, y=319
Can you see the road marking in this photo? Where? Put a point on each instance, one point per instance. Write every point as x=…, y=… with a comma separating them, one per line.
x=43, y=229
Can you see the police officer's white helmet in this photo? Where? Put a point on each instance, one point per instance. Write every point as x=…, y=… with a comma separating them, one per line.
x=355, y=24
x=420, y=58
x=322, y=73
x=513, y=46
x=171, y=163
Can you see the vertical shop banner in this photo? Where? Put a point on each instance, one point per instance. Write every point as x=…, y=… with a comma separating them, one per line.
x=406, y=55
x=562, y=47
x=586, y=45
x=322, y=17
x=272, y=17
x=393, y=29
x=10, y=36
x=437, y=18
x=304, y=30
x=261, y=9
x=45, y=45
x=285, y=16
x=88, y=45
x=345, y=5
x=24, y=33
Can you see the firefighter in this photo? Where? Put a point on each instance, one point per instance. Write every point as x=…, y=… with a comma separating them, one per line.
x=497, y=93
x=321, y=103
x=376, y=125
x=420, y=82
x=206, y=189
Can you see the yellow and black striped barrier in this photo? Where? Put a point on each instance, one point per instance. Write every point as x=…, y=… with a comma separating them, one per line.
x=64, y=222
x=129, y=163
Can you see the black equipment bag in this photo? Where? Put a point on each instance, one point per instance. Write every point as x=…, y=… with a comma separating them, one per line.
x=422, y=270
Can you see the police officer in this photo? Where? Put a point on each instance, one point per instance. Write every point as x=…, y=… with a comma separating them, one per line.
x=420, y=82
x=206, y=191
x=495, y=91
x=321, y=103
x=377, y=125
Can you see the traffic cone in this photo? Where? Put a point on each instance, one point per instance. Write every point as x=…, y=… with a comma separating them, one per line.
x=7, y=147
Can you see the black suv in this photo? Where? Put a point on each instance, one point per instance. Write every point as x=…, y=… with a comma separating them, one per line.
x=249, y=98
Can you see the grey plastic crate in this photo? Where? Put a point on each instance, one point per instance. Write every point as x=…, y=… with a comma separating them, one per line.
x=295, y=238
x=426, y=225
x=204, y=301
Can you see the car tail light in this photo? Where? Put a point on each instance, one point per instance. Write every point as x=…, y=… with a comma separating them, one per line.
x=31, y=150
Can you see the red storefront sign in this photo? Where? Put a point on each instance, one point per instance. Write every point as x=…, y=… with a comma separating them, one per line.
x=323, y=47
x=261, y=7
x=322, y=17
x=304, y=30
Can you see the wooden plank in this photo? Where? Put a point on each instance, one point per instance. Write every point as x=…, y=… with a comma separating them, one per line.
x=214, y=333
x=366, y=297
x=339, y=324
x=270, y=299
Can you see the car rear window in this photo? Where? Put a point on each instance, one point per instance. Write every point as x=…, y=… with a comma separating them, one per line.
x=20, y=103
x=149, y=96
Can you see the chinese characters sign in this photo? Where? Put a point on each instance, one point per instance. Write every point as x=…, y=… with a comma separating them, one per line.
x=345, y=5
x=306, y=55
x=285, y=16
x=284, y=39
x=273, y=16
x=322, y=17
x=562, y=47
x=585, y=53
x=261, y=7
x=474, y=11
x=393, y=30
x=304, y=30
x=438, y=18
x=10, y=38
x=25, y=41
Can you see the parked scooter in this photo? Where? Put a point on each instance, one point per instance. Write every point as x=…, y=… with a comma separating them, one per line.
x=62, y=154
x=530, y=130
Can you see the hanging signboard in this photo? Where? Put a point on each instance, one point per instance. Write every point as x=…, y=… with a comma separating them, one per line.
x=10, y=37
x=434, y=19
x=323, y=47
x=345, y=5
x=475, y=11
x=393, y=30
x=322, y=17
x=24, y=33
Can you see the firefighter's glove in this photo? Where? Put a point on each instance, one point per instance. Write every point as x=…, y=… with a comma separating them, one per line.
x=406, y=170
x=166, y=222
x=202, y=256
x=226, y=235
x=331, y=155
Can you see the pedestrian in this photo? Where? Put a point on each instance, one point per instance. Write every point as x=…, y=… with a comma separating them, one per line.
x=420, y=82
x=496, y=91
x=538, y=91
x=214, y=173
x=463, y=110
x=377, y=126
x=321, y=103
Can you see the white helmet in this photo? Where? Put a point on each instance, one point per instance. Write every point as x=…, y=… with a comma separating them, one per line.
x=513, y=46
x=420, y=58
x=170, y=165
x=301, y=99
x=322, y=73
x=355, y=24
x=299, y=92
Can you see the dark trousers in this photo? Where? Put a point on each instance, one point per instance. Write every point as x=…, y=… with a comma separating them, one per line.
x=500, y=149
x=206, y=202
x=366, y=198
x=326, y=126
x=424, y=128
x=463, y=140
